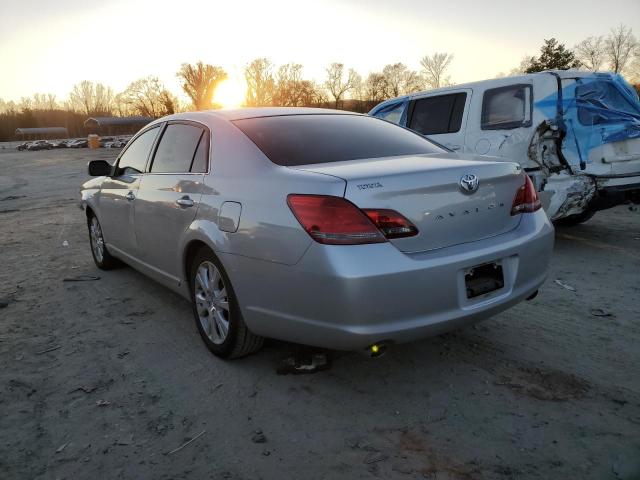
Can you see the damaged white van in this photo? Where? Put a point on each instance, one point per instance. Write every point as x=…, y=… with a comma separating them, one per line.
x=576, y=134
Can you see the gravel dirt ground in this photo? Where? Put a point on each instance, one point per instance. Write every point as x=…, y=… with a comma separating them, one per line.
x=109, y=378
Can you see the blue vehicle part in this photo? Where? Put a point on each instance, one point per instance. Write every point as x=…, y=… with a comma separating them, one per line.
x=385, y=107
x=595, y=110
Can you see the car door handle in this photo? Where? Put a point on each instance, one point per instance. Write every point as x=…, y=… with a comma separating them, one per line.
x=130, y=196
x=184, y=202
x=453, y=147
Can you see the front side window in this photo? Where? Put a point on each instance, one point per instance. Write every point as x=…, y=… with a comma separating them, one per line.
x=505, y=108
x=134, y=158
x=438, y=114
x=177, y=148
x=291, y=140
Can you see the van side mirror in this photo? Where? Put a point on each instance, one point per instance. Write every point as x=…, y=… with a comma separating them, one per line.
x=99, y=168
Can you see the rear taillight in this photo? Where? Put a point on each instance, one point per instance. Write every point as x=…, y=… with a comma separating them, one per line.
x=337, y=221
x=391, y=223
x=526, y=200
x=333, y=220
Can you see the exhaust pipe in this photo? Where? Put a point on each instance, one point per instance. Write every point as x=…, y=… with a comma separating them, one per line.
x=376, y=350
x=533, y=295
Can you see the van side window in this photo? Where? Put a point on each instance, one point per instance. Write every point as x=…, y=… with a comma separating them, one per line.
x=438, y=114
x=504, y=108
x=393, y=113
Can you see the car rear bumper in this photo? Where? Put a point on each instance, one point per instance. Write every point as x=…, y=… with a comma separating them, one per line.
x=349, y=297
x=616, y=191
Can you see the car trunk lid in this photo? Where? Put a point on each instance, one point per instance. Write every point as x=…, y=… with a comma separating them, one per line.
x=427, y=190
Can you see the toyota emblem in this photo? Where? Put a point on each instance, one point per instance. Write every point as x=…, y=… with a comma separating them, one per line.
x=469, y=183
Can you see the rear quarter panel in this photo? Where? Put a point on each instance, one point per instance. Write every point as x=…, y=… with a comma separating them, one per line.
x=241, y=173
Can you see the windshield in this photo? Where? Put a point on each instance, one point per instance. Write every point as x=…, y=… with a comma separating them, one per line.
x=293, y=140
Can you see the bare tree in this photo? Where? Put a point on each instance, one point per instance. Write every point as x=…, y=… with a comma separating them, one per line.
x=288, y=88
x=524, y=65
x=44, y=101
x=199, y=82
x=260, y=82
x=633, y=71
x=9, y=107
x=336, y=83
x=434, y=69
x=121, y=107
x=321, y=95
x=91, y=98
x=357, y=90
x=310, y=94
x=620, y=47
x=148, y=97
x=399, y=80
x=82, y=97
x=104, y=98
x=25, y=104
x=375, y=87
x=590, y=53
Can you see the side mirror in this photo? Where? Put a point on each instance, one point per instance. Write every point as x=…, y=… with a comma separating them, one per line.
x=100, y=168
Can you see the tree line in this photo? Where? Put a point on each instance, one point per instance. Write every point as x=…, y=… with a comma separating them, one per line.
x=268, y=84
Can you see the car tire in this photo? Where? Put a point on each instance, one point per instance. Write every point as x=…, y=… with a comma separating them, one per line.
x=216, y=310
x=99, y=252
x=573, y=220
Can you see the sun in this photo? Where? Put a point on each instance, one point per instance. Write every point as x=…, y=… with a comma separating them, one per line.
x=230, y=93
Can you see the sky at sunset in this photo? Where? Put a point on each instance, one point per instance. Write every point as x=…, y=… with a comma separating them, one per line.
x=47, y=46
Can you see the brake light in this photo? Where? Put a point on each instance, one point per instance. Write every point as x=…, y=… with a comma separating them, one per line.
x=526, y=199
x=391, y=223
x=333, y=220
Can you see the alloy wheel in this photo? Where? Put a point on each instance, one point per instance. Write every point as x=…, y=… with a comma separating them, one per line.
x=97, y=240
x=212, y=302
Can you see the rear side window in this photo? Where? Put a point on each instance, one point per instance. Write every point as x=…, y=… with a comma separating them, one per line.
x=440, y=114
x=392, y=113
x=507, y=107
x=177, y=149
x=292, y=140
x=135, y=156
x=199, y=164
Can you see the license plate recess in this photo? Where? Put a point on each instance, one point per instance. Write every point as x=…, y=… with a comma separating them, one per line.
x=483, y=279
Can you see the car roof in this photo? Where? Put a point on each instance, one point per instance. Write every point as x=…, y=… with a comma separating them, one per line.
x=255, y=112
x=572, y=73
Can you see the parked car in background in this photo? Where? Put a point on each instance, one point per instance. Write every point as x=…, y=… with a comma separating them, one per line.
x=316, y=226
x=38, y=145
x=114, y=143
x=104, y=141
x=60, y=143
x=575, y=133
x=78, y=143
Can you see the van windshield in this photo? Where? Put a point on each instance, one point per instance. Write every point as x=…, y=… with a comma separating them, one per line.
x=292, y=140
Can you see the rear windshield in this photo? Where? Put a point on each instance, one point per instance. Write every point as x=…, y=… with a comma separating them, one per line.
x=292, y=140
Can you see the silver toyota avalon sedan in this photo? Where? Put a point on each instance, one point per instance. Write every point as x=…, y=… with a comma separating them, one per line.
x=315, y=226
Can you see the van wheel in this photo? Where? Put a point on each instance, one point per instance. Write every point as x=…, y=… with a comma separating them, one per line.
x=577, y=219
x=216, y=310
x=101, y=255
